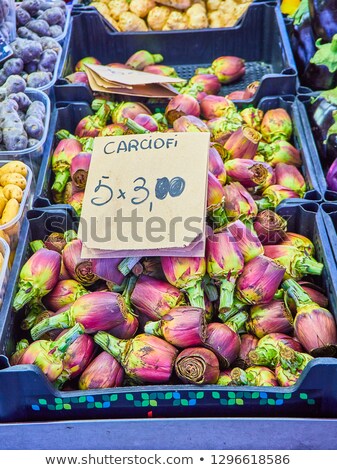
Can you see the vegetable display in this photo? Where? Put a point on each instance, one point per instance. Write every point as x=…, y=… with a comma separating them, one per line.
x=211, y=80
x=22, y=120
x=169, y=15
x=322, y=114
x=261, y=330
x=256, y=308
x=35, y=50
x=38, y=18
x=314, y=43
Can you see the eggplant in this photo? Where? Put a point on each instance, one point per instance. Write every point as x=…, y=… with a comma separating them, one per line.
x=302, y=38
x=321, y=73
x=323, y=15
x=320, y=114
x=331, y=141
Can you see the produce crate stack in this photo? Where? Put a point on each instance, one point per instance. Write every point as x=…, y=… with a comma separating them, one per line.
x=247, y=330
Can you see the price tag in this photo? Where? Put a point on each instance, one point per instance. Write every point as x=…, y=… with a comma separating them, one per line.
x=146, y=193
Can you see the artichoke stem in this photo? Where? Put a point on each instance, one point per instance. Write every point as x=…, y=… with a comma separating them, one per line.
x=114, y=346
x=36, y=245
x=61, y=179
x=25, y=295
x=136, y=128
x=125, y=266
x=195, y=295
x=62, y=320
x=264, y=204
x=226, y=295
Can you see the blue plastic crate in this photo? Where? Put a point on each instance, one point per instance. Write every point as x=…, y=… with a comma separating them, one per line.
x=260, y=39
x=26, y=394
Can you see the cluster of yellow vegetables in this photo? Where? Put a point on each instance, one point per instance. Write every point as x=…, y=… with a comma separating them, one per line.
x=168, y=15
x=12, y=184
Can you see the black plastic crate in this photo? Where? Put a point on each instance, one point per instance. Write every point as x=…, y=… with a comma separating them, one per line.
x=85, y=6
x=260, y=39
x=320, y=167
x=68, y=115
x=26, y=394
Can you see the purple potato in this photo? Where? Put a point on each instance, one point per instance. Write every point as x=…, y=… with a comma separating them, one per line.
x=12, y=67
x=55, y=31
x=32, y=6
x=39, y=79
x=57, y=3
x=31, y=66
x=47, y=61
x=15, y=84
x=34, y=127
x=3, y=94
x=32, y=142
x=21, y=115
x=14, y=139
x=40, y=27
x=50, y=43
x=22, y=17
x=22, y=99
x=3, y=77
x=8, y=106
x=53, y=16
x=38, y=109
x=26, y=33
x=26, y=50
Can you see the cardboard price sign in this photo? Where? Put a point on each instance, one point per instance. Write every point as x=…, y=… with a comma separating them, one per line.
x=147, y=193
x=119, y=81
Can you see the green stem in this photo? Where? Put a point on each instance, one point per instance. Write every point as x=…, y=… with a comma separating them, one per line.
x=226, y=295
x=70, y=235
x=236, y=307
x=239, y=377
x=309, y=265
x=295, y=291
x=62, y=320
x=24, y=295
x=153, y=328
x=136, y=128
x=157, y=58
x=64, y=134
x=237, y=322
x=262, y=356
x=264, y=204
x=210, y=289
x=22, y=344
x=125, y=266
x=36, y=245
x=63, y=343
x=98, y=103
x=195, y=294
x=218, y=216
x=130, y=285
x=87, y=144
x=61, y=179
x=114, y=346
x=61, y=379
x=334, y=44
